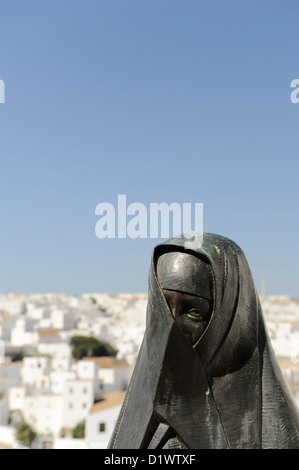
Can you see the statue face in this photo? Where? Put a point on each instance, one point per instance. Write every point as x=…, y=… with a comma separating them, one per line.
x=192, y=313
x=186, y=282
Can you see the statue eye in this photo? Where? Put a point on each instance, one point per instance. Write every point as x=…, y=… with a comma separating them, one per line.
x=196, y=314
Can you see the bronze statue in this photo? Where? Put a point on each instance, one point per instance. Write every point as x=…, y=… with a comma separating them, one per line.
x=206, y=376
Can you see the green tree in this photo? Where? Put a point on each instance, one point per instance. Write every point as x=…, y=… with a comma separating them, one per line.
x=90, y=346
x=25, y=433
x=79, y=431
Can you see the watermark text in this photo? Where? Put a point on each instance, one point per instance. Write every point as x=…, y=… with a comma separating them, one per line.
x=159, y=220
x=295, y=93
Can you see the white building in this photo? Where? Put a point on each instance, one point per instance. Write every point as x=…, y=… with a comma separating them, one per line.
x=53, y=401
x=12, y=304
x=37, y=312
x=113, y=374
x=23, y=332
x=78, y=397
x=58, y=379
x=89, y=370
x=56, y=348
x=7, y=437
x=51, y=413
x=35, y=371
x=4, y=410
x=44, y=413
x=61, y=364
x=16, y=396
x=61, y=320
x=102, y=418
x=12, y=371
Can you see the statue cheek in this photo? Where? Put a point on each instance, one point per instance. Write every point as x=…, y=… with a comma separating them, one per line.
x=191, y=329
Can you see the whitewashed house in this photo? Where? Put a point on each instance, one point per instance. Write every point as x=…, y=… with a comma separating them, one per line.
x=23, y=332
x=44, y=413
x=66, y=400
x=102, y=418
x=62, y=320
x=9, y=377
x=4, y=410
x=36, y=312
x=89, y=370
x=35, y=371
x=61, y=364
x=58, y=379
x=78, y=397
x=113, y=374
x=54, y=347
x=11, y=370
x=7, y=437
x=16, y=396
x=12, y=304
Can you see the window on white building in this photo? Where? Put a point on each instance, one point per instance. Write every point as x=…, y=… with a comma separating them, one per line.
x=70, y=406
x=102, y=427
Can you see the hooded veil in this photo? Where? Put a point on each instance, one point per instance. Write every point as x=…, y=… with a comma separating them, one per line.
x=224, y=391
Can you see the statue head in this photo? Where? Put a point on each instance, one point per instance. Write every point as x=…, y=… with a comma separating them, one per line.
x=187, y=284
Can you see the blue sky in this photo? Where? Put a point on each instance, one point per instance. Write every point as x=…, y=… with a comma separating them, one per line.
x=185, y=101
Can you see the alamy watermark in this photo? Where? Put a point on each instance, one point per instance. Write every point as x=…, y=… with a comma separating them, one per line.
x=295, y=93
x=2, y=92
x=159, y=220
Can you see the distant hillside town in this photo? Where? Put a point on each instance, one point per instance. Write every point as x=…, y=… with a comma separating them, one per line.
x=53, y=397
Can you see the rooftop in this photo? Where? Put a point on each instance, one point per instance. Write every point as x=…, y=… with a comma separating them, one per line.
x=108, y=362
x=108, y=400
x=48, y=333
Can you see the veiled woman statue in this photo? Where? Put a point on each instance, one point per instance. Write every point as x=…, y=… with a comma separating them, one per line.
x=206, y=376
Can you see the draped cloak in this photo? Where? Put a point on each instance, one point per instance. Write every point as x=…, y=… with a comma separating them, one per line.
x=224, y=391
